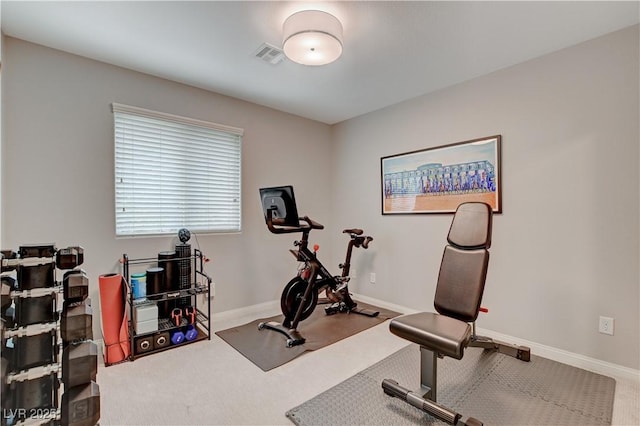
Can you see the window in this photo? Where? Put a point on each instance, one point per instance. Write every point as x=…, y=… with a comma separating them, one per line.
x=174, y=172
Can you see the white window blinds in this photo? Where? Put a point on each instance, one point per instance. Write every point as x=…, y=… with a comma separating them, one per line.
x=174, y=172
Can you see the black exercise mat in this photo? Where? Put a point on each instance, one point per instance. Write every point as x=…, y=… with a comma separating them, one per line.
x=494, y=388
x=267, y=348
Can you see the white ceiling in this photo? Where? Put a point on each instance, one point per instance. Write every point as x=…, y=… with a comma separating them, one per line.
x=393, y=51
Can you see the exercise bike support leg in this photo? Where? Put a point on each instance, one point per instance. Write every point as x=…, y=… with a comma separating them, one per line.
x=294, y=338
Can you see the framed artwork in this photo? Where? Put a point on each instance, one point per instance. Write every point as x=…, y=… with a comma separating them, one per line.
x=437, y=180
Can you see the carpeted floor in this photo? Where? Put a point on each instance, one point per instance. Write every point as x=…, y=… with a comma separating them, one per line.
x=494, y=388
x=210, y=383
x=267, y=348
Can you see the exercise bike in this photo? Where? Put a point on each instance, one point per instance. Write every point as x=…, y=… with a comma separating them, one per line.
x=301, y=295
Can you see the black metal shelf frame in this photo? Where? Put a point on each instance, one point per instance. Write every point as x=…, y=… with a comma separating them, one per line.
x=200, y=284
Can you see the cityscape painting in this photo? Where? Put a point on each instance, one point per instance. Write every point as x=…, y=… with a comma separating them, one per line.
x=437, y=180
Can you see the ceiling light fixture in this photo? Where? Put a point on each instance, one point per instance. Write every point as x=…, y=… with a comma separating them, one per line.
x=312, y=37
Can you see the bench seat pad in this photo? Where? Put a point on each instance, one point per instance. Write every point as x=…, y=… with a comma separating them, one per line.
x=438, y=333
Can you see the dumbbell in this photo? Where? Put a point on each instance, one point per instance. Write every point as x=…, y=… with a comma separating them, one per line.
x=79, y=363
x=33, y=351
x=35, y=310
x=75, y=285
x=8, y=255
x=191, y=333
x=33, y=394
x=38, y=250
x=81, y=405
x=35, y=276
x=7, y=284
x=176, y=317
x=70, y=257
x=189, y=314
x=177, y=337
x=76, y=322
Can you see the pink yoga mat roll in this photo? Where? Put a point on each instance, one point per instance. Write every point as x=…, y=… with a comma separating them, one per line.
x=115, y=330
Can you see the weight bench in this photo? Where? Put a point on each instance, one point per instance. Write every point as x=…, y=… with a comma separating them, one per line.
x=448, y=332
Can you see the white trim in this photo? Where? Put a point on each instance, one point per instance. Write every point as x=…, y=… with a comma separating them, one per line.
x=385, y=305
x=569, y=358
x=248, y=313
x=537, y=349
x=115, y=107
x=272, y=308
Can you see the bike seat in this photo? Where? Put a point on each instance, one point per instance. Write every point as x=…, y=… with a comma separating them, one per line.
x=355, y=231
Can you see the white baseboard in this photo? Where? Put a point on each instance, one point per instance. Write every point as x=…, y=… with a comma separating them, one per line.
x=569, y=358
x=383, y=304
x=267, y=309
x=559, y=355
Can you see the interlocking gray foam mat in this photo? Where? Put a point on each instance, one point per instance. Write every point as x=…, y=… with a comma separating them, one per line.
x=494, y=388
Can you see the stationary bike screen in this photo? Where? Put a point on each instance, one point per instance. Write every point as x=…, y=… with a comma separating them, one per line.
x=280, y=203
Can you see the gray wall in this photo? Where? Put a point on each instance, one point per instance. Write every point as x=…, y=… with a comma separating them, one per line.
x=57, y=167
x=565, y=250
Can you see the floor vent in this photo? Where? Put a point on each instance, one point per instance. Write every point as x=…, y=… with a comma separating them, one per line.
x=270, y=54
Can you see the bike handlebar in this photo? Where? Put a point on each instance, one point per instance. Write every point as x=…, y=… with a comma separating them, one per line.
x=313, y=224
x=276, y=225
x=367, y=240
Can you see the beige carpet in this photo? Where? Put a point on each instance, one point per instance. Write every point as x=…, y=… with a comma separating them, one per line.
x=210, y=383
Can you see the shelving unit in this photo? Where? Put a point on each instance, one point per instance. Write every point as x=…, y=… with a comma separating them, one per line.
x=199, y=284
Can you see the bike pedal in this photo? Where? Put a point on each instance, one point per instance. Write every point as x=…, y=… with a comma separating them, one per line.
x=332, y=309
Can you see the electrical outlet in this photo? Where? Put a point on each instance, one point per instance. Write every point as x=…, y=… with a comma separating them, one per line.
x=372, y=278
x=353, y=273
x=606, y=325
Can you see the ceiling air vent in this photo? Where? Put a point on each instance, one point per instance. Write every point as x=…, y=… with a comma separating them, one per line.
x=270, y=54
